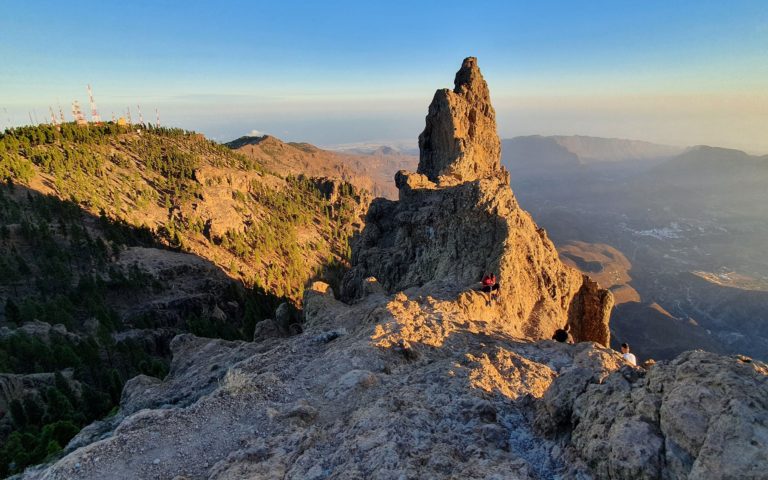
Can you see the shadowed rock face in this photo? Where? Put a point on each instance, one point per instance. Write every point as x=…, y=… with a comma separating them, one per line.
x=457, y=219
x=459, y=142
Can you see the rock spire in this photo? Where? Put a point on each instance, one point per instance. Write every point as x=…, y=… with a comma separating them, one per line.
x=459, y=142
x=457, y=219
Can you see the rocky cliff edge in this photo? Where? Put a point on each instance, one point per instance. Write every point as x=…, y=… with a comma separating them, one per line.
x=408, y=386
x=457, y=218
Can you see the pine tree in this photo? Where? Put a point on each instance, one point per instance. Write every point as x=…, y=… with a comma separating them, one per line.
x=12, y=312
x=18, y=415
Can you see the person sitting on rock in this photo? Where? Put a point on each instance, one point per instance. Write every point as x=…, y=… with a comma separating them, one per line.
x=563, y=335
x=629, y=357
x=491, y=287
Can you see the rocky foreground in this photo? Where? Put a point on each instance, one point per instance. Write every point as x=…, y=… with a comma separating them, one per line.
x=416, y=376
x=409, y=386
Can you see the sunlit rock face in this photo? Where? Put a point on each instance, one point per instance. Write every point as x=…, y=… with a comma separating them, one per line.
x=457, y=218
x=459, y=142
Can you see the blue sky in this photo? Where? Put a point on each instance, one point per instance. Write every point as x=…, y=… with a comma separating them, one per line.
x=340, y=72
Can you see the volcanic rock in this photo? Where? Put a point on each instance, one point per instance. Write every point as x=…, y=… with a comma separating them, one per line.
x=457, y=218
x=459, y=142
x=700, y=416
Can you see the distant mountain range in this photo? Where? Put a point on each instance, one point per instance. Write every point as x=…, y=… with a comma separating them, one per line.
x=531, y=153
x=401, y=147
x=692, y=223
x=585, y=150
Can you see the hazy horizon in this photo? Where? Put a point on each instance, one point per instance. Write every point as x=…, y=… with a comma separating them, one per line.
x=671, y=74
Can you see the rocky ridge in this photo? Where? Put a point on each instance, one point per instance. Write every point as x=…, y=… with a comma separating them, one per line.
x=457, y=218
x=424, y=382
x=371, y=172
x=409, y=386
x=699, y=416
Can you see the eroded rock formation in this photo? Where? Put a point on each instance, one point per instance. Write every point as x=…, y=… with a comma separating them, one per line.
x=700, y=416
x=457, y=218
x=459, y=142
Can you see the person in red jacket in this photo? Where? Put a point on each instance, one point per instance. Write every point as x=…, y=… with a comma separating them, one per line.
x=491, y=287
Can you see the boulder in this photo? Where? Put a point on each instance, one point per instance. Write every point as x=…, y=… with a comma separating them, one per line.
x=700, y=416
x=283, y=318
x=266, y=328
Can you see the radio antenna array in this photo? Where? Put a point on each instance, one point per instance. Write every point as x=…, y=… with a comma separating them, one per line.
x=95, y=118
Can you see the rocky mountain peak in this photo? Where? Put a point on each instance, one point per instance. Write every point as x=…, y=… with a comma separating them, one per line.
x=457, y=219
x=459, y=142
x=469, y=81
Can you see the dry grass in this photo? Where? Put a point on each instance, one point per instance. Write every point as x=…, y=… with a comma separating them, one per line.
x=235, y=382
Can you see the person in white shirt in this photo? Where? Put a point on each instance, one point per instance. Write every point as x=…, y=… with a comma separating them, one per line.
x=629, y=357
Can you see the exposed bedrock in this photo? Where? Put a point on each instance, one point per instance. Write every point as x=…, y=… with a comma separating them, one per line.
x=458, y=218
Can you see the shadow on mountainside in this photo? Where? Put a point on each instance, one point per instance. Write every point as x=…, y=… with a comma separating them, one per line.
x=51, y=244
x=95, y=302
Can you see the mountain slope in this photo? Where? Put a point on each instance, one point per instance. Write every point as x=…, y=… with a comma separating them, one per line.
x=268, y=230
x=85, y=304
x=113, y=240
x=698, y=211
x=372, y=172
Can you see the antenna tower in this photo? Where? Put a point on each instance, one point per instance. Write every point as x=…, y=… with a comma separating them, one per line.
x=95, y=118
x=157, y=118
x=141, y=117
x=129, y=116
x=54, y=122
x=78, y=113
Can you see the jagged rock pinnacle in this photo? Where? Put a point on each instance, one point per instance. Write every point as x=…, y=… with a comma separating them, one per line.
x=457, y=219
x=459, y=142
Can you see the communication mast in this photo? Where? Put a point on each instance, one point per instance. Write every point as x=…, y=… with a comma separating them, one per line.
x=61, y=114
x=141, y=117
x=95, y=118
x=157, y=118
x=129, y=115
x=54, y=122
x=78, y=114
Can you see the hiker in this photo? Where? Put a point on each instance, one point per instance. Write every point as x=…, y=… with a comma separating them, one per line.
x=629, y=357
x=490, y=285
x=563, y=335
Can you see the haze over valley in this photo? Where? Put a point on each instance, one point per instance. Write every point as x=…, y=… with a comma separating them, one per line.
x=690, y=226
